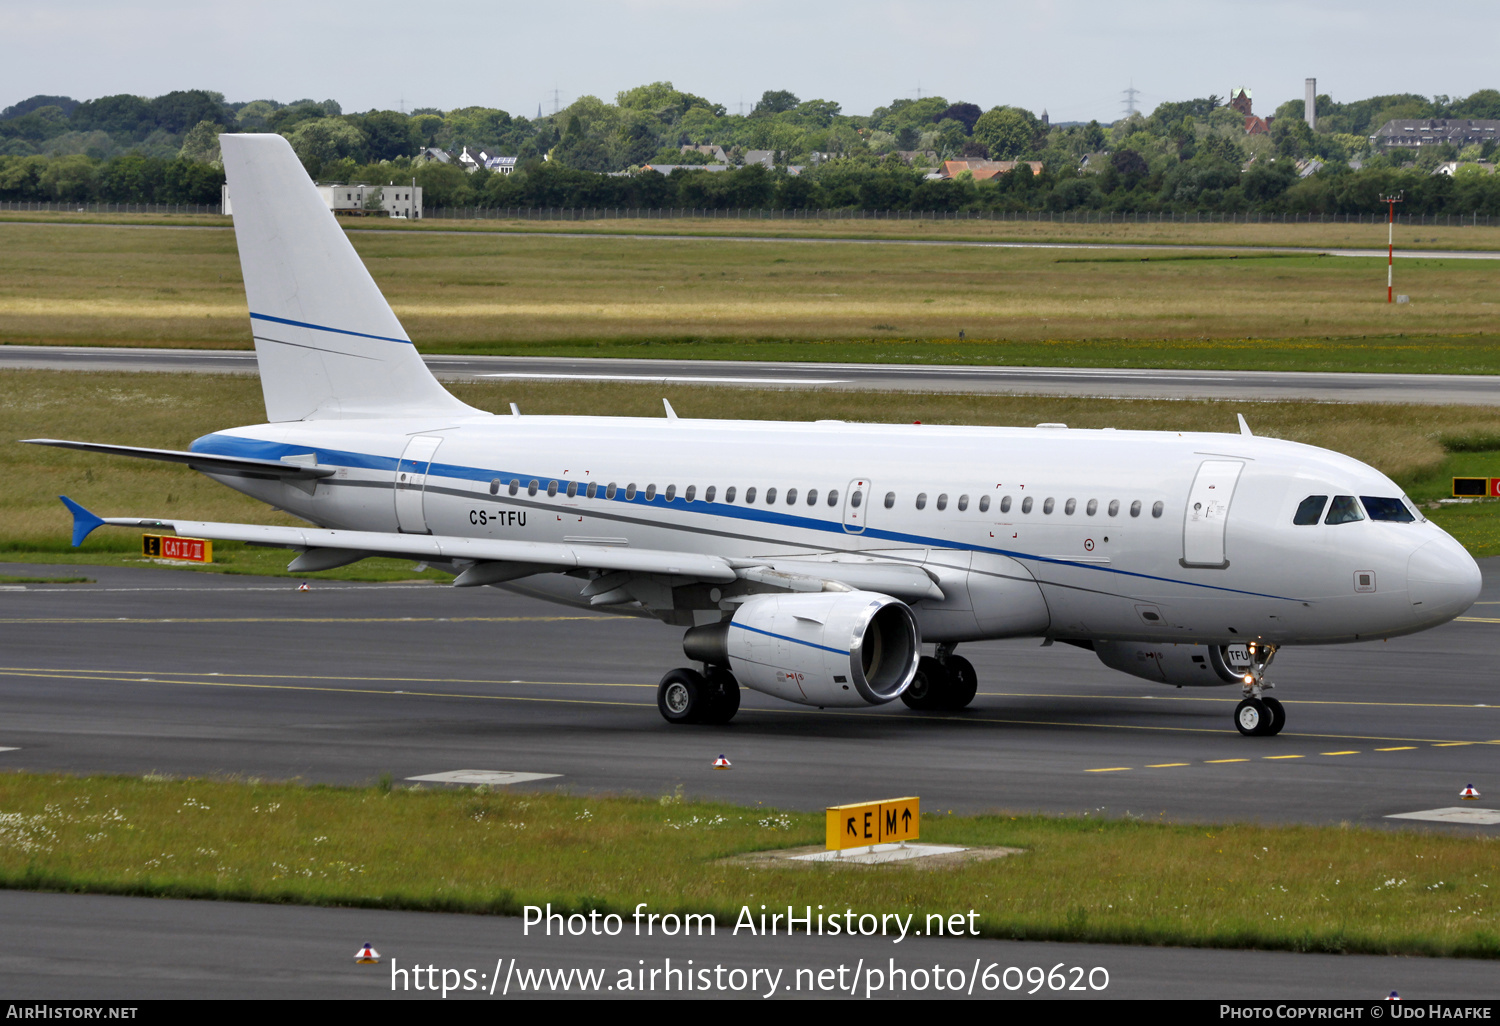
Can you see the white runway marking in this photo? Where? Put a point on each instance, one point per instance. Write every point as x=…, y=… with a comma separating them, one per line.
x=494, y=777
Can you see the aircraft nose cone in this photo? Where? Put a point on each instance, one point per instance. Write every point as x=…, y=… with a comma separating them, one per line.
x=1442, y=580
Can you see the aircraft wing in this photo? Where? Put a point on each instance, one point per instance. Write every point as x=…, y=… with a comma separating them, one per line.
x=242, y=465
x=493, y=561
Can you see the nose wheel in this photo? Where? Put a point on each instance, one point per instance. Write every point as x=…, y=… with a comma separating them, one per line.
x=1259, y=715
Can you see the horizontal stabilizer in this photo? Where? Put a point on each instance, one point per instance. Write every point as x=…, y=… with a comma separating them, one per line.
x=243, y=466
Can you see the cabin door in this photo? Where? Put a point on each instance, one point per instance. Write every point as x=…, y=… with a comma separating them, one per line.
x=1208, y=513
x=411, y=481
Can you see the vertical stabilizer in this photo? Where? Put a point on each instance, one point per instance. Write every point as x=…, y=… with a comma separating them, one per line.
x=327, y=342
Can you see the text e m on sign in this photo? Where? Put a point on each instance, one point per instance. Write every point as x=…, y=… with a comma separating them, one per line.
x=855, y=826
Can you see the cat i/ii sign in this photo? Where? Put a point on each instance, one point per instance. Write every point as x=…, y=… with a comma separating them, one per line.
x=867, y=823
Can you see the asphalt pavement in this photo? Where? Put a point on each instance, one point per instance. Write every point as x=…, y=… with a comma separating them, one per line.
x=1466, y=389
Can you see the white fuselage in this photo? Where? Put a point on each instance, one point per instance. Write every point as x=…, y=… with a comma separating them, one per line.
x=1109, y=547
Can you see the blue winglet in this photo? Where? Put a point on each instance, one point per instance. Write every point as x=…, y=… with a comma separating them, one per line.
x=84, y=522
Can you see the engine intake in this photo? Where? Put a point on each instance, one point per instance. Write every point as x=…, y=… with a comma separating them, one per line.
x=827, y=649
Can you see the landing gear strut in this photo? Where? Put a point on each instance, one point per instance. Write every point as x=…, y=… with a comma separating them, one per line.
x=1259, y=715
x=946, y=682
x=687, y=696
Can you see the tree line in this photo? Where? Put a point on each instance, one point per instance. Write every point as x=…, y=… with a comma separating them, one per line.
x=1192, y=155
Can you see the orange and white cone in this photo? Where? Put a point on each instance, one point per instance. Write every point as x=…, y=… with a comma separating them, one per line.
x=367, y=955
x=1468, y=794
x=721, y=763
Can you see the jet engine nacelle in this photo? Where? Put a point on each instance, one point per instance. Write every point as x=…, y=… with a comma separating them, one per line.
x=1182, y=665
x=848, y=648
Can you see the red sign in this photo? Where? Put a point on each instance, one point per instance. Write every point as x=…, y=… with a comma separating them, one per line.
x=1495, y=487
x=167, y=546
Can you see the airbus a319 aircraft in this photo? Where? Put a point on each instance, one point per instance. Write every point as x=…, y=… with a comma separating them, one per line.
x=809, y=561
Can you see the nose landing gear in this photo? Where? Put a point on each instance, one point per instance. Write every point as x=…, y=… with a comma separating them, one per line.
x=1259, y=715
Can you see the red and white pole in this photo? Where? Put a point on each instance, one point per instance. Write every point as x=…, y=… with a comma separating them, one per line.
x=1390, y=246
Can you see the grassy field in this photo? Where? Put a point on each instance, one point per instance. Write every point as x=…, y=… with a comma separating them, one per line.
x=1420, y=446
x=1335, y=889
x=783, y=299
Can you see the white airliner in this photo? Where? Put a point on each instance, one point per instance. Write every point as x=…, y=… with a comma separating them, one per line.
x=809, y=561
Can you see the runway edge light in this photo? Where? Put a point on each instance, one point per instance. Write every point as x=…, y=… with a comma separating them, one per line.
x=367, y=955
x=303, y=587
x=721, y=763
x=1469, y=794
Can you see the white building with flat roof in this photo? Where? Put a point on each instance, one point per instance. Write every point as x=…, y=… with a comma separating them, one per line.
x=354, y=200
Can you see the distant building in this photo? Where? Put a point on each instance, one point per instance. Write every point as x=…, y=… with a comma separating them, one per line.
x=501, y=165
x=1448, y=167
x=715, y=154
x=433, y=155
x=983, y=169
x=1258, y=125
x=1414, y=133
x=667, y=169
x=353, y=200
x=1310, y=105
x=766, y=158
x=1239, y=99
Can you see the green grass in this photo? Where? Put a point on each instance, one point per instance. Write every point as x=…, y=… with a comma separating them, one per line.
x=1420, y=446
x=13, y=579
x=782, y=300
x=1304, y=888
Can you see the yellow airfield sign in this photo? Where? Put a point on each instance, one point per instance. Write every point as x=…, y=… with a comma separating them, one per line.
x=855, y=826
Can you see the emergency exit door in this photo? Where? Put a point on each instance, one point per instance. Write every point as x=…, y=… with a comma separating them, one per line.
x=1208, y=513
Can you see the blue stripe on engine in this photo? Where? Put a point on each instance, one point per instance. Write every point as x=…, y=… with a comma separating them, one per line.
x=322, y=327
x=783, y=637
x=231, y=445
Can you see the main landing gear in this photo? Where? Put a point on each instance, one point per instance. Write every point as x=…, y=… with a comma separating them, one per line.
x=687, y=696
x=1259, y=715
x=947, y=682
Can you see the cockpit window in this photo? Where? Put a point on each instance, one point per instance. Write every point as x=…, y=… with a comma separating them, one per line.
x=1343, y=510
x=1310, y=510
x=1381, y=508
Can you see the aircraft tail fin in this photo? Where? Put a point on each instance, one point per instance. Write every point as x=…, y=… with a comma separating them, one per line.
x=327, y=342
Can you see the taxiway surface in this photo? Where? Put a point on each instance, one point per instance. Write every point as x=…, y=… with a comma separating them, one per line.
x=158, y=670
x=1286, y=386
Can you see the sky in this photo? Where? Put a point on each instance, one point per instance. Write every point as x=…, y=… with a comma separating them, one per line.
x=1073, y=58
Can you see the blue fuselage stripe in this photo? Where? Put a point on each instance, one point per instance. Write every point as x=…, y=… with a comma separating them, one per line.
x=231, y=445
x=324, y=327
x=783, y=637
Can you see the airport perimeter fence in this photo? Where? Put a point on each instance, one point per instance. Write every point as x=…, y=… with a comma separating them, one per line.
x=736, y=214
x=111, y=208
x=1044, y=216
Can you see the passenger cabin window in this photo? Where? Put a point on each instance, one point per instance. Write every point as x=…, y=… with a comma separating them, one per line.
x=812, y=496
x=1092, y=507
x=551, y=489
x=1026, y=504
x=689, y=493
x=1310, y=510
x=1114, y=507
x=1135, y=508
x=610, y=489
x=1070, y=506
x=890, y=499
x=942, y=502
x=1005, y=504
x=749, y=495
x=1343, y=510
x=515, y=486
x=650, y=492
x=572, y=489
x=630, y=491
x=791, y=496
x=708, y=496
x=921, y=500
x=1049, y=506
x=495, y=487
x=1393, y=510
x=671, y=492
x=532, y=486
x=1157, y=507
x=833, y=497
x=984, y=504
x=593, y=489
x=729, y=494
x=963, y=503
x=770, y=496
